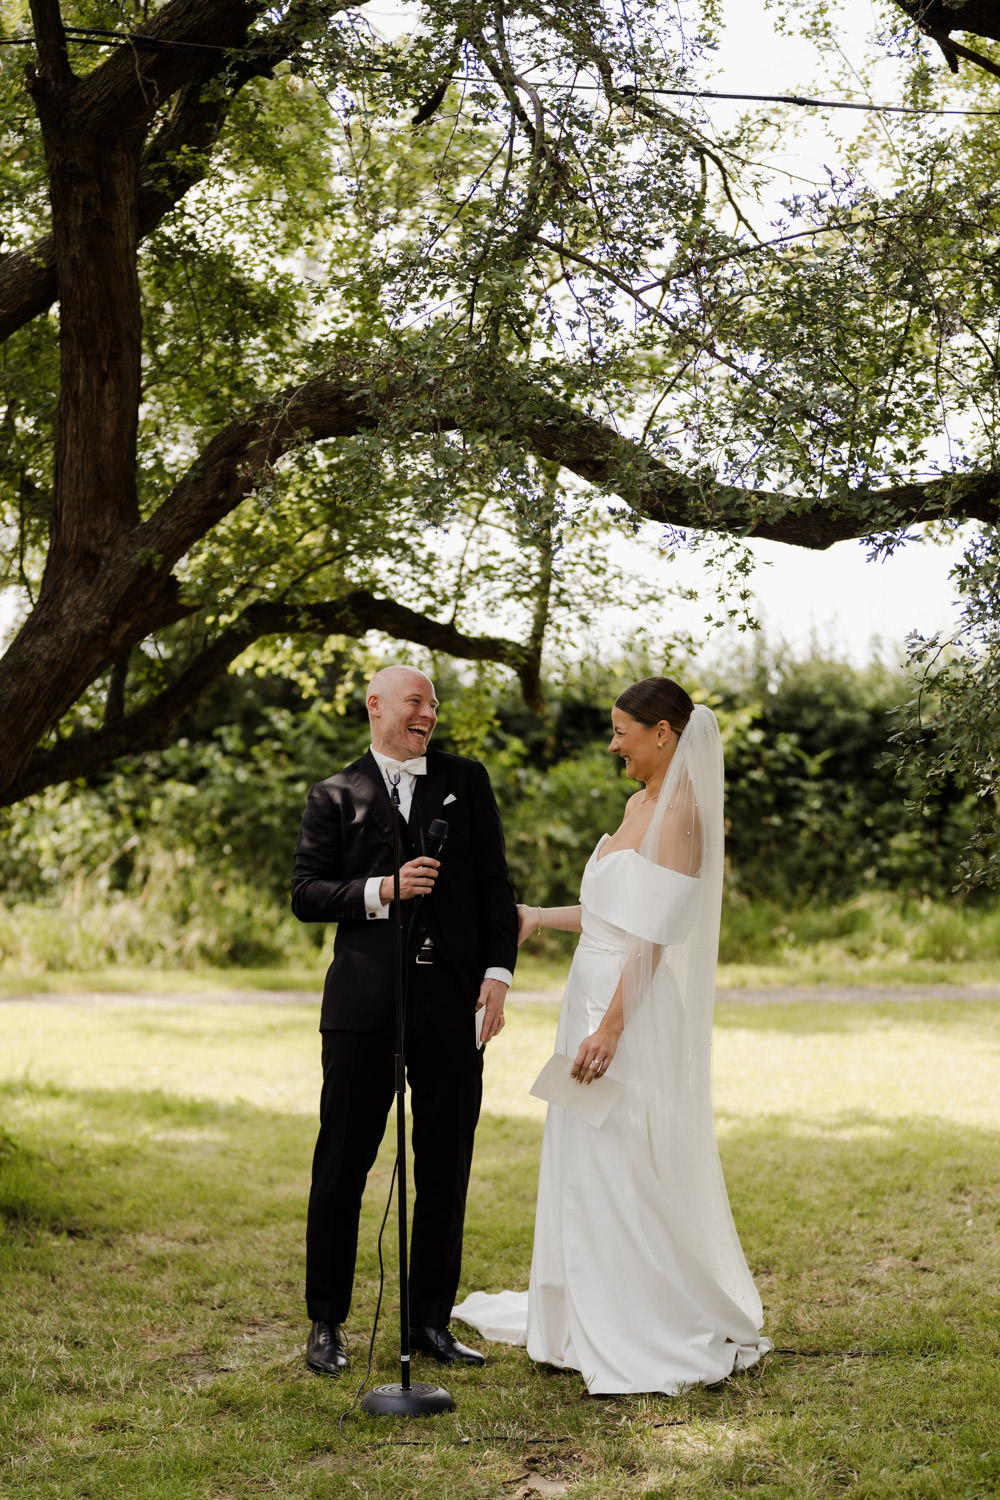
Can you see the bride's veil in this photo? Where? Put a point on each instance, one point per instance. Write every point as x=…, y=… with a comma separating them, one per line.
x=665, y=1054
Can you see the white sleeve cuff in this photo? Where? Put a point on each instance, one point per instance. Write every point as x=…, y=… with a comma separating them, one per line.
x=373, y=901
x=503, y=974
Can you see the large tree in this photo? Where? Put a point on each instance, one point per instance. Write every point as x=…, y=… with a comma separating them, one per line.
x=283, y=305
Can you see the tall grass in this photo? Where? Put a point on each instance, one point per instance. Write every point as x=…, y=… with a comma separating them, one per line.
x=179, y=923
x=188, y=923
x=875, y=936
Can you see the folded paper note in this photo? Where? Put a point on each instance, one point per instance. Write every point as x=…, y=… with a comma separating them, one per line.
x=592, y=1102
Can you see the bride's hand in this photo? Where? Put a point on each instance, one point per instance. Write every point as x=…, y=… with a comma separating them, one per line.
x=527, y=922
x=596, y=1052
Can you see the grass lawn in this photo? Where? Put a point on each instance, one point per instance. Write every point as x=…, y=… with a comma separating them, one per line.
x=153, y=1182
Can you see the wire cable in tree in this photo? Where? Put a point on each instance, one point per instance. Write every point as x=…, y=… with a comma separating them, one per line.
x=95, y=37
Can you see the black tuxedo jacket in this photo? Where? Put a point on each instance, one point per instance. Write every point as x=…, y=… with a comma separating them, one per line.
x=346, y=837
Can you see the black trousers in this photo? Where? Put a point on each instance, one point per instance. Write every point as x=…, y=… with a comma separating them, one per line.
x=444, y=1072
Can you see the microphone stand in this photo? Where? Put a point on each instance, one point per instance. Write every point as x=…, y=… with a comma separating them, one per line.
x=404, y=1399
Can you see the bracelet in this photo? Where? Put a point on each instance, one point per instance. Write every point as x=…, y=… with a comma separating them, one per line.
x=539, y=911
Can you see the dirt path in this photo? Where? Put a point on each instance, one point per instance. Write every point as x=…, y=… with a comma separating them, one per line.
x=780, y=995
x=860, y=995
x=832, y=994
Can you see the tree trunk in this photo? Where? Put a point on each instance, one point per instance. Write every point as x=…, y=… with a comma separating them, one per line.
x=83, y=615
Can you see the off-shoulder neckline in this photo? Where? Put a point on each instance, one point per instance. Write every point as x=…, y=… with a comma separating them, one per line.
x=600, y=843
x=597, y=858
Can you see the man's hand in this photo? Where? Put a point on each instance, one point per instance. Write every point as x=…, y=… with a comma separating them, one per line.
x=492, y=994
x=416, y=878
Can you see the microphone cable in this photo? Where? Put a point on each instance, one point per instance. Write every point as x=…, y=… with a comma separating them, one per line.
x=378, y=1307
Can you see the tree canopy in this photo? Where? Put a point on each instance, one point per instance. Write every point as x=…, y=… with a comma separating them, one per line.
x=309, y=333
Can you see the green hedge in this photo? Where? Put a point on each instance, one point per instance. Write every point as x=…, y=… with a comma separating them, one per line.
x=816, y=806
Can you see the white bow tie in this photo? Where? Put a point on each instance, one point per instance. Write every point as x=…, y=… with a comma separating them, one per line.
x=415, y=767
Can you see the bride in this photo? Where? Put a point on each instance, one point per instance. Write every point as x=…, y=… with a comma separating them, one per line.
x=637, y=1276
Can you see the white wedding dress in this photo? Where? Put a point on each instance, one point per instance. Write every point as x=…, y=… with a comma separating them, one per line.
x=637, y=1276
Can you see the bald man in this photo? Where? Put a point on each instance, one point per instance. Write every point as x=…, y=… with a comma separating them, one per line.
x=460, y=945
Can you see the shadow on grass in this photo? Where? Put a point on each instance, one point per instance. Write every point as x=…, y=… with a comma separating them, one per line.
x=96, y=1163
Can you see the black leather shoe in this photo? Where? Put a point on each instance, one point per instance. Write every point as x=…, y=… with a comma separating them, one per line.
x=325, y=1352
x=442, y=1345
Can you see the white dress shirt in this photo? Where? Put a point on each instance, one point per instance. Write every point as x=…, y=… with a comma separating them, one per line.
x=374, y=905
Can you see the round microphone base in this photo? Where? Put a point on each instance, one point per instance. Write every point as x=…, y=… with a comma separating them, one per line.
x=407, y=1401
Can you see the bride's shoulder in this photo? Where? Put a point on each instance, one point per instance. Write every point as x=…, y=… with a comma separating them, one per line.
x=633, y=802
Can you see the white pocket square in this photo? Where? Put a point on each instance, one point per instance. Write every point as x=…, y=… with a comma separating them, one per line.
x=450, y=798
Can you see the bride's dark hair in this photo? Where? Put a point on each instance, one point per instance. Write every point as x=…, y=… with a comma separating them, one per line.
x=656, y=698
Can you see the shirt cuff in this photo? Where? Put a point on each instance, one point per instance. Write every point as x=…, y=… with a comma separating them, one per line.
x=373, y=901
x=502, y=974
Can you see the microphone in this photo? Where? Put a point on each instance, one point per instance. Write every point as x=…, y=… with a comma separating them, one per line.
x=437, y=832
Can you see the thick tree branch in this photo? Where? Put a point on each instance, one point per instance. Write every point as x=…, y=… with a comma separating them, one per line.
x=150, y=726
x=597, y=453
x=321, y=409
x=953, y=50
x=980, y=17
x=27, y=284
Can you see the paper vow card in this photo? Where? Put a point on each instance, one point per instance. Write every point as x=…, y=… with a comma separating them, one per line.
x=590, y=1101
